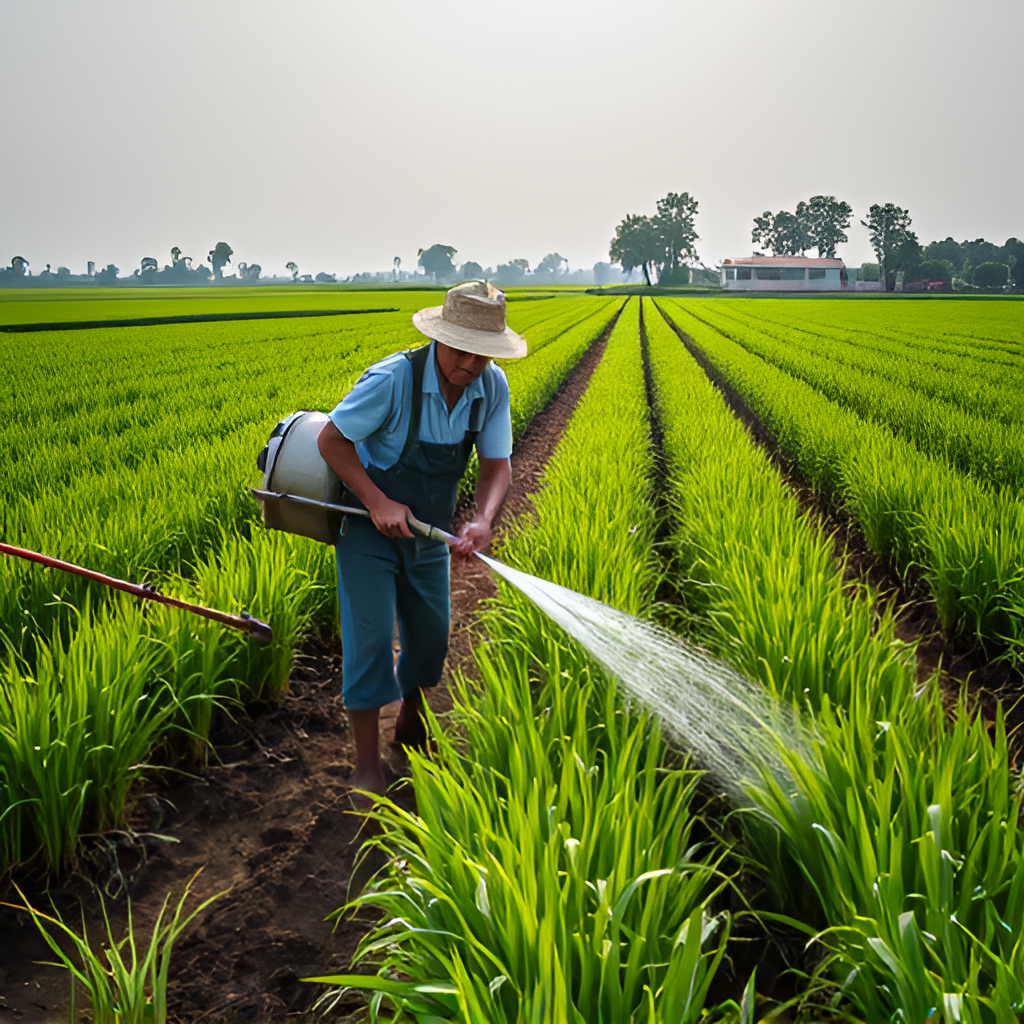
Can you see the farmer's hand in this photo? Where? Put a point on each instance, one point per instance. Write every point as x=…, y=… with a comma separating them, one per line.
x=391, y=517
x=474, y=536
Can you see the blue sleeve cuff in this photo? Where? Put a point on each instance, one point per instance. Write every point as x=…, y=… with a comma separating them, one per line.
x=495, y=439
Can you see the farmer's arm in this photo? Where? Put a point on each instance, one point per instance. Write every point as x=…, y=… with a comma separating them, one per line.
x=390, y=517
x=493, y=448
x=492, y=485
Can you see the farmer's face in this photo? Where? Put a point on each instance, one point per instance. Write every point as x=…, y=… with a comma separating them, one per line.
x=460, y=368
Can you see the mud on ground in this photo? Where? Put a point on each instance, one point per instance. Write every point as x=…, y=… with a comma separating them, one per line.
x=269, y=818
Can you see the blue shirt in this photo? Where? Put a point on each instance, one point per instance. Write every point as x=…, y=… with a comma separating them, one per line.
x=375, y=414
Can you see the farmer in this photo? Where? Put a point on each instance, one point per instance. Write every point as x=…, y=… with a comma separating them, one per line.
x=400, y=441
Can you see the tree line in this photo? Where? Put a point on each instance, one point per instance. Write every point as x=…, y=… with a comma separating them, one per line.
x=663, y=246
x=180, y=271
x=438, y=263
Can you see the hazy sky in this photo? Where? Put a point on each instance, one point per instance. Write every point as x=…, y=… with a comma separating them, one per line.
x=339, y=135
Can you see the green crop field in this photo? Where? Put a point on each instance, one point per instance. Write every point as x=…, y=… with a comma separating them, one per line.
x=566, y=861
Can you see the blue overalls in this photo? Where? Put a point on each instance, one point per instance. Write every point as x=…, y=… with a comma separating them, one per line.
x=381, y=580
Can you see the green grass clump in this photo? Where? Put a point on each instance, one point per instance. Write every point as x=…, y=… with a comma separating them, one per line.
x=126, y=983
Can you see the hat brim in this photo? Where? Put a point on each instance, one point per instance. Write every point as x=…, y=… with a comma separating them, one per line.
x=504, y=344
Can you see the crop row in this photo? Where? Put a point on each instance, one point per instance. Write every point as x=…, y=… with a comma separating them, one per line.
x=988, y=327
x=892, y=838
x=914, y=510
x=980, y=443
x=91, y=682
x=979, y=387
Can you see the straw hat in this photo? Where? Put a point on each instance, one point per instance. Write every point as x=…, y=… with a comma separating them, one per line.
x=472, y=319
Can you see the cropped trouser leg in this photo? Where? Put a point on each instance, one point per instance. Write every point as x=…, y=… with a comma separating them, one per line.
x=381, y=581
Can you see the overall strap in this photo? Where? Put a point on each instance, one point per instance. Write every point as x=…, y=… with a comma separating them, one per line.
x=418, y=361
x=476, y=414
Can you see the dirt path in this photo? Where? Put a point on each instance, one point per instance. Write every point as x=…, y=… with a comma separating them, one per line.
x=269, y=818
x=917, y=619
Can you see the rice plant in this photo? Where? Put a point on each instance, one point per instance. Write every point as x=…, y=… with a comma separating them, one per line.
x=126, y=981
x=967, y=540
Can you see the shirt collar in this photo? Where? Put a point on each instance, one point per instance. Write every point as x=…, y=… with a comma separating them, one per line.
x=432, y=387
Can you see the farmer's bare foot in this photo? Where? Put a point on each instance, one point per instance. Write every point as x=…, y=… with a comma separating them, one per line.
x=370, y=780
x=410, y=729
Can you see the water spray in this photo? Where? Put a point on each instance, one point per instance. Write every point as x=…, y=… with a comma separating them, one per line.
x=733, y=727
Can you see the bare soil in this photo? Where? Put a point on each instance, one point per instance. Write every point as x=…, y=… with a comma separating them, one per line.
x=268, y=818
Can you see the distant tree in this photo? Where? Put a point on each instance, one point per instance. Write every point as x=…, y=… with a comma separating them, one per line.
x=932, y=270
x=63, y=272
x=784, y=233
x=891, y=238
x=181, y=266
x=980, y=251
x=19, y=266
x=220, y=254
x=249, y=271
x=551, y=265
x=396, y=268
x=437, y=262
x=293, y=269
x=1012, y=254
x=991, y=275
x=324, y=278
x=637, y=243
x=148, y=268
x=202, y=272
x=472, y=271
x=674, y=225
x=108, y=275
x=868, y=272
x=825, y=220
x=948, y=249
x=511, y=273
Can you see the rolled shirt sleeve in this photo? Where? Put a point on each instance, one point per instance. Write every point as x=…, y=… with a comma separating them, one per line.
x=495, y=438
x=368, y=407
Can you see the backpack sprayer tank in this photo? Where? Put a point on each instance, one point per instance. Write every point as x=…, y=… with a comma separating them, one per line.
x=292, y=465
x=301, y=492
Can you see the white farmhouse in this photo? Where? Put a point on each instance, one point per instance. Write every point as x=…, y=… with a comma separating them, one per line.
x=784, y=274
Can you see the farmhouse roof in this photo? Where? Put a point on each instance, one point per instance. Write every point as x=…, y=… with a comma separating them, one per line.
x=782, y=261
